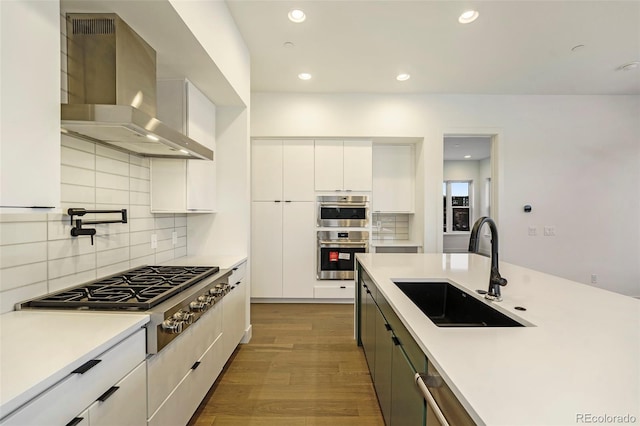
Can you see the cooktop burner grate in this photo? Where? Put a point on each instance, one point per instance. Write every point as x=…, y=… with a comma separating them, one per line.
x=139, y=289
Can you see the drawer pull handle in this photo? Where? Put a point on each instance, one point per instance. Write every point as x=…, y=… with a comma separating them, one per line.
x=86, y=366
x=387, y=326
x=107, y=394
x=235, y=269
x=75, y=421
x=238, y=283
x=343, y=286
x=396, y=341
x=195, y=365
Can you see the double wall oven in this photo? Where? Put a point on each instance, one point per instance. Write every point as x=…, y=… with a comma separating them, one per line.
x=347, y=220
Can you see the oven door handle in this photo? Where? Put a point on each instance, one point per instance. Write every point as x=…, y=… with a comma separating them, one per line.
x=323, y=243
x=343, y=204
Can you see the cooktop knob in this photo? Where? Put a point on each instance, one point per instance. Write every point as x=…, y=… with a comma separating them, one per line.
x=197, y=306
x=172, y=326
x=184, y=316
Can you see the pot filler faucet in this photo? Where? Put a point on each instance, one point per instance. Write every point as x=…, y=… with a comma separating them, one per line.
x=495, y=280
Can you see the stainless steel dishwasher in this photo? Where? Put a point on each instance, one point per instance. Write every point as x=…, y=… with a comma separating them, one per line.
x=443, y=408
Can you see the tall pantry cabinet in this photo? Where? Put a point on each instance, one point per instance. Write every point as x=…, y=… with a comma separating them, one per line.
x=282, y=219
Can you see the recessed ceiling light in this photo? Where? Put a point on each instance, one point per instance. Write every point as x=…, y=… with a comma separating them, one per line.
x=184, y=151
x=297, y=16
x=577, y=47
x=288, y=45
x=304, y=76
x=468, y=16
x=467, y=156
x=403, y=77
x=153, y=138
x=630, y=66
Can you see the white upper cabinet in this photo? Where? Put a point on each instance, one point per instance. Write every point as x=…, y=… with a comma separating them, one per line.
x=393, y=178
x=282, y=170
x=185, y=185
x=343, y=165
x=30, y=120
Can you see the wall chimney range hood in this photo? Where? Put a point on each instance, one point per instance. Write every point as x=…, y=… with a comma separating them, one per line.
x=112, y=91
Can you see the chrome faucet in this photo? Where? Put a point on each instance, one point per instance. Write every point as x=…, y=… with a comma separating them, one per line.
x=495, y=280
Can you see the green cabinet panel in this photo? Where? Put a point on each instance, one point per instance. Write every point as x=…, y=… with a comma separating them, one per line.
x=383, y=373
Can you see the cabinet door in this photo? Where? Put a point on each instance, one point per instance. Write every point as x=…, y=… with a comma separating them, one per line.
x=382, y=372
x=407, y=403
x=393, y=178
x=168, y=185
x=266, y=249
x=328, y=165
x=30, y=120
x=201, y=127
x=299, y=250
x=127, y=405
x=357, y=166
x=266, y=170
x=369, y=332
x=297, y=174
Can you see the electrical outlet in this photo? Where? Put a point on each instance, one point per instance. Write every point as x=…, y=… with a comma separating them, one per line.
x=549, y=231
x=154, y=241
x=594, y=279
x=174, y=237
x=533, y=231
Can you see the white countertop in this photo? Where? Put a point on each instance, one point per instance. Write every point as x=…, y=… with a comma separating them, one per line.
x=222, y=261
x=581, y=356
x=39, y=348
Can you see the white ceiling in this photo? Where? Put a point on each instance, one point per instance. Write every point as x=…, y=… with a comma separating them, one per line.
x=514, y=47
x=456, y=147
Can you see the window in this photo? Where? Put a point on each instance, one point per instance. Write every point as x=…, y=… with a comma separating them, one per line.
x=457, y=205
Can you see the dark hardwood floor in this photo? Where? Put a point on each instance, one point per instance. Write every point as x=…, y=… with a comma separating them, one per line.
x=302, y=367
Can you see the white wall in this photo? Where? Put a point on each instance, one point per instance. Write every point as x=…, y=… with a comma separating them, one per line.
x=227, y=231
x=573, y=158
x=212, y=24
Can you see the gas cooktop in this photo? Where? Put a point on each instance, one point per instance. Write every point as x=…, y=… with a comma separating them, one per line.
x=136, y=289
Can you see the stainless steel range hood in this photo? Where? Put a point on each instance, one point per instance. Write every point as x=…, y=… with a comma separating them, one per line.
x=112, y=91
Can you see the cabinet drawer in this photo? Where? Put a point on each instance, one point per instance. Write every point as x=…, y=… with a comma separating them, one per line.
x=238, y=273
x=127, y=405
x=168, y=367
x=338, y=291
x=62, y=402
x=178, y=408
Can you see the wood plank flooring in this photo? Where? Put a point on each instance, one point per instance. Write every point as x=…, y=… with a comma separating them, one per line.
x=301, y=368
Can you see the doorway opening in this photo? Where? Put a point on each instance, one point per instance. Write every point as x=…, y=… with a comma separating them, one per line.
x=467, y=189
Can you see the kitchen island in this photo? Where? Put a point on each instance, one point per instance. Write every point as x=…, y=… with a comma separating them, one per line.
x=576, y=360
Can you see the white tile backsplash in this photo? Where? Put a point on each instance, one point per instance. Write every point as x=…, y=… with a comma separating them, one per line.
x=22, y=232
x=23, y=275
x=22, y=254
x=392, y=226
x=117, y=167
x=37, y=253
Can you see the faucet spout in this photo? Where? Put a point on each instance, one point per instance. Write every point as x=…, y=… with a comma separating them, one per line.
x=495, y=279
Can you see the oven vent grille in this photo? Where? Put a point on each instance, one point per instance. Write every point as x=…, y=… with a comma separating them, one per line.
x=94, y=26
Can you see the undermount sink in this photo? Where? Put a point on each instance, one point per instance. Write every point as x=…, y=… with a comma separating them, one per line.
x=448, y=306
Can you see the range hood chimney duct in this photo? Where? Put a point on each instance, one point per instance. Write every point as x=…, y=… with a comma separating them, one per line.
x=112, y=91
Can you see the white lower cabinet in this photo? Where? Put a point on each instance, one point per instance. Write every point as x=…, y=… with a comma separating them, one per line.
x=234, y=311
x=183, y=401
x=180, y=375
x=61, y=403
x=125, y=404
x=335, y=290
